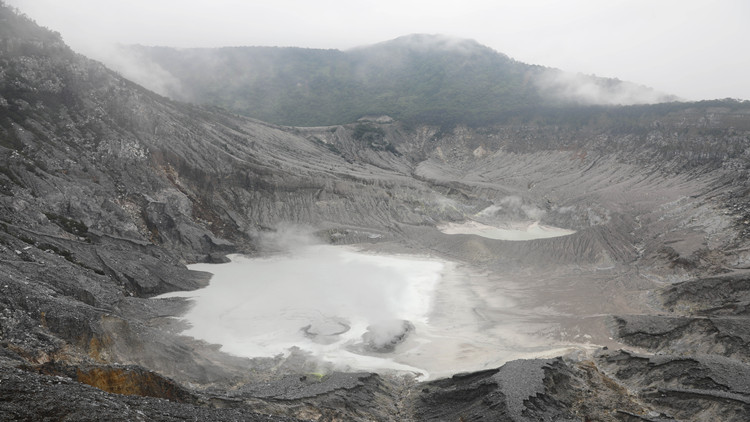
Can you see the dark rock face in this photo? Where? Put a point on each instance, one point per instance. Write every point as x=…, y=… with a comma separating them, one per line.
x=108, y=190
x=529, y=390
x=698, y=387
x=701, y=371
x=27, y=396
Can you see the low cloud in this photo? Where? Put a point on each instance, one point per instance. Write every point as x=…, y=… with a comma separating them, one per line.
x=592, y=90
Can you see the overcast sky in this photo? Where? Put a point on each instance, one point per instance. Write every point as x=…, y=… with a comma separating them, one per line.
x=689, y=48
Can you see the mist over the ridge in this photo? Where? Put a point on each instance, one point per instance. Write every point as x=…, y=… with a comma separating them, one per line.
x=428, y=42
x=277, y=85
x=590, y=90
x=690, y=49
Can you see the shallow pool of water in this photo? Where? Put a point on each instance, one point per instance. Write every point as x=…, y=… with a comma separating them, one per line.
x=516, y=232
x=324, y=299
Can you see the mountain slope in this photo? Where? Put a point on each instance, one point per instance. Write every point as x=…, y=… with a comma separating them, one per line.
x=418, y=78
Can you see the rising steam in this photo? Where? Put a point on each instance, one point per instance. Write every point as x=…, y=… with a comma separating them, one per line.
x=332, y=302
x=511, y=208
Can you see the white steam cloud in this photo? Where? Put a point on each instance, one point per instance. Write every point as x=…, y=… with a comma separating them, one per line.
x=591, y=90
x=287, y=238
x=383, y=336
x=512, y=208
x=134, y=66
x=335, y=303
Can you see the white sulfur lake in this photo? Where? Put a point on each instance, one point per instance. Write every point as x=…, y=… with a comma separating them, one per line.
x=517, y=232
x=322, y=299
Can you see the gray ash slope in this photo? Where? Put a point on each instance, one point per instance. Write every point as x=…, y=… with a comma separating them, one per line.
x=107, y=190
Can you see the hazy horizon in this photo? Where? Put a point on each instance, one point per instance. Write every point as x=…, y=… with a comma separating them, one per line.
x=690, y=49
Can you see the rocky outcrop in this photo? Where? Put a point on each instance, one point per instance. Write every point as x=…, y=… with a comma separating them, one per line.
x=531, y=390
x=700, y=369
x=679, y=387
x=29, y=396
x=707, y=315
